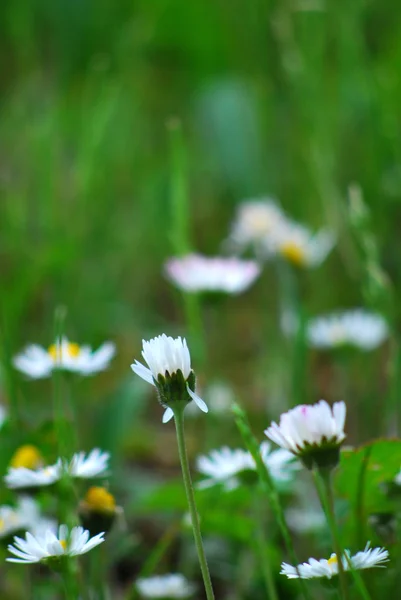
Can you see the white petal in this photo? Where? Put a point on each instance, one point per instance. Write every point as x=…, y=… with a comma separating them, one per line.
x=143, y=372
x=198, y=400
x=168, y=415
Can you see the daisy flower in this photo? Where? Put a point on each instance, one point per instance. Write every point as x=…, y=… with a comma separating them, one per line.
x=226, y=465
x=367, y=559
x=314, y=433
x=173, y=585
x=94, y=464
x=169, y=370
x=256, y=220
x=98, y=510
x=39, y=548
x=38, y=362
x=23, y=478
x=358, y=328
x=299, y=246
x=197, y=273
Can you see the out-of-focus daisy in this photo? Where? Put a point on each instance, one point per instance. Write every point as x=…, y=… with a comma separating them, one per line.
x=171, y=586
x=255, y=222
x=37, y=362
x=304, y=520
x=197, y=273
x=357, y=327
x=40, y=548
x=299, y=246
x=25, y=516
x=367, y=559
x=98, y=510
x=169, y=371
x=27, y=456
x=314, y=433
x=81, y=466
x=225, y=465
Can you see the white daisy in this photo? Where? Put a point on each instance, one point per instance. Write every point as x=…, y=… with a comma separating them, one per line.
x=37, y=362
x=312, y=432
x=367, y=559
x=39, y=548
x=167, y=358
x=85, y=466
x=255, y=221
x=357, y=327
x=298, y=245
x=21, y=477
x=197, y=273
x=173, y=585
x=24, y=516
x=225, y=465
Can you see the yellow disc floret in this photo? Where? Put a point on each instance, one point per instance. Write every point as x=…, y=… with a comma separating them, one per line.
x=333, y=560
x=73, y=350
x=293, y=253
x=63, y=544
x=27, y=456
x=98, y=499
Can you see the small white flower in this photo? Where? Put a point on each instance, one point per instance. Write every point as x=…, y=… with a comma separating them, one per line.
x=354, y=327
x=167, y=357
x=37, y=362
x=85, y=466
x=25, y=516
x=306, y=429
x=298, y=245
x=21, y=477
x=39, y=548
x=173, y=585
x=197, y=273
x=225, y=465
x=367, y=559
x=255, y=221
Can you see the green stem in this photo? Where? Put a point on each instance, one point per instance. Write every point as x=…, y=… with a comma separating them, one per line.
x=179, y=425
x=269, y=487
x=263, y=549
x=324, y=489
x=62, y=431
x=70, y=579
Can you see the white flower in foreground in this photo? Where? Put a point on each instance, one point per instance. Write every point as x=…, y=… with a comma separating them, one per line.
x=299, y=246
x=197, y=273
x=37, y=362
x=39, y=548
x=226, y=465
x=174, y=585
x=81, y=466
x=367, y=559
x=357, y=327
x=314, y=433
x=255, y=221
x=169, y=371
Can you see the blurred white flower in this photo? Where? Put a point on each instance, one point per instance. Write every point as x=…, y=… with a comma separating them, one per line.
x=303, y=520
x=87, y=466
x=167, y=358
x=299, y=246
x=367, y=559
x=37, y=362
x=357, y=327
x=225, y=465
x=171, y=586
x=255, y=221
x=21, y=477
x=197, y=273
x=307, y=430
x=47, y=545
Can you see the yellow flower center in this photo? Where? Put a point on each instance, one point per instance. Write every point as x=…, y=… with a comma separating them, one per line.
x=332, y=560
x=63, y=544
x=73, y=350
x=2, y=524
x=293, y=253
x=27, y=456
x=100, y=500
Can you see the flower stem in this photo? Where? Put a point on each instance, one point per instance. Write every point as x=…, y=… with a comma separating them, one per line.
x=323, y=485
x=262, y=547
x=179, y=425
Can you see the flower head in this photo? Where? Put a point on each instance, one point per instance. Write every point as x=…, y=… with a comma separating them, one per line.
x=296, y=244
x=94, y=464
x=27, y=456
x=169, y=370
x=367, y=559
x=37, y=362
x=41, y=547
x=314, y=433
x=197, y=273
x=357, y=328
x=226, y=466
x=173, y=585
x=98, y=510
x=23, y=478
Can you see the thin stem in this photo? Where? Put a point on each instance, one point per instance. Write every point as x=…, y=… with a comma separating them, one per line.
x=323, y=486
x=179, y=425
x=269, y=487
x=263, y=549
x=69, y=575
